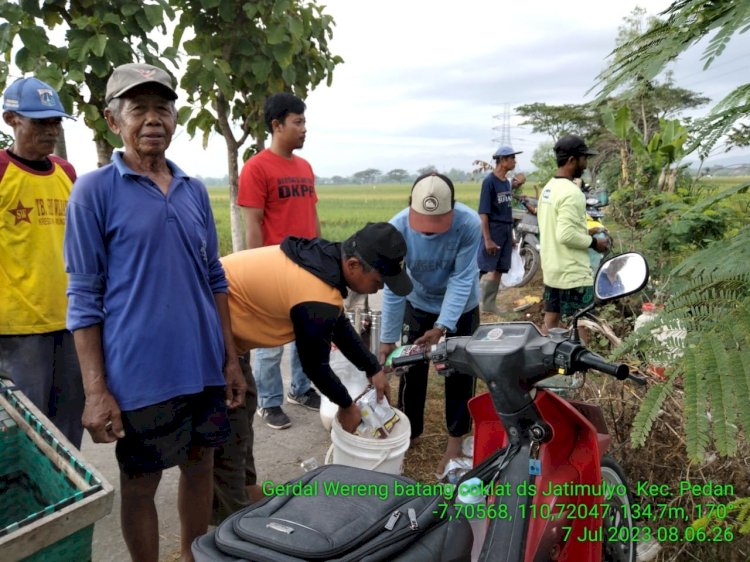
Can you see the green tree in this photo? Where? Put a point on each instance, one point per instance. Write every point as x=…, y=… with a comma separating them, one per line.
x=710, y=293
x=687, y=21
x=397, y=175
x=559, y=120
x=366, y=176
x=97, y=37
x=456, y=175
x=339, y=180
x=239, y=54
x=427, y=170
x=543, y=159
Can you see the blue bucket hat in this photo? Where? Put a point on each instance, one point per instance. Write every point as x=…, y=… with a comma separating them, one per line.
x=504, y=151
x=33, y=98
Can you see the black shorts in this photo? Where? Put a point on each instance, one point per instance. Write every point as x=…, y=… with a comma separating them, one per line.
x=502, y=235
x=567, y=302
x=161, y=435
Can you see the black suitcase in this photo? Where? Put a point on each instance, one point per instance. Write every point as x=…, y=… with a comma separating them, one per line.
x=341, y=513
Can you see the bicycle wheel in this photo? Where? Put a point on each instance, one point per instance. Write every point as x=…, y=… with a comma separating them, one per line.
x=618, y=516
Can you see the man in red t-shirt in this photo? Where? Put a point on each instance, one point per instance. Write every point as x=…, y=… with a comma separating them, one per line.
x=277, y=194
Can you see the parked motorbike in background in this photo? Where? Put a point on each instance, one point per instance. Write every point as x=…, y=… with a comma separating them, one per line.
x=526, y=230
x=596, y=201
x=526, y=234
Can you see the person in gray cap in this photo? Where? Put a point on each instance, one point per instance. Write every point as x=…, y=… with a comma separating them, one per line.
x=495, y=201
x=147, y=304
x=36, y=351
x=564, y=235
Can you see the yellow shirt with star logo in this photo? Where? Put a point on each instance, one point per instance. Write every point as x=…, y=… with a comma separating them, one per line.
x=32, y=226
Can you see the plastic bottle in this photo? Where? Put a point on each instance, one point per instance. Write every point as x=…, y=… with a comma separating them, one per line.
x=649, y=311
x=470, y=494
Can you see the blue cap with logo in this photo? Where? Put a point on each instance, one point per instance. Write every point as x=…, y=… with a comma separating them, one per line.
x=33, y=98
x=504, y=151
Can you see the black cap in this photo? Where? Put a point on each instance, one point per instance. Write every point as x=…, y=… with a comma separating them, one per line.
x=573, y=145
x=383, y=247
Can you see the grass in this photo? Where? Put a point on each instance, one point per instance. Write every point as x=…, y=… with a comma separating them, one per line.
x=343, y=209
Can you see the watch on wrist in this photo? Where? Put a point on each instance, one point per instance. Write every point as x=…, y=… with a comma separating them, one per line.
x=440, y=327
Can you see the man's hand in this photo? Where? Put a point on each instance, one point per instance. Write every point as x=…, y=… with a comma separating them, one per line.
x=429, y=338
x=518, y=180
x=602, y=244
x=350, y=417
x=385, y=350
x=101, y=417
x=491, y=247
x=382, y=386
x=236, y=386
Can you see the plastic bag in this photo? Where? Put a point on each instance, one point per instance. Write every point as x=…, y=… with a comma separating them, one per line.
x=515, y=273
x=352, y=378
x=378, y=417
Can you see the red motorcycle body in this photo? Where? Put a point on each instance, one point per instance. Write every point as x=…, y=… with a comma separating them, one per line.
x=561, y=524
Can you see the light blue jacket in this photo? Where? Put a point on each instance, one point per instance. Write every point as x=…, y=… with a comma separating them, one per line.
x=443, y=269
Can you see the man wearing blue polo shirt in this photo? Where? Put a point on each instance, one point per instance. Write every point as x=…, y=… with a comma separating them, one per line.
x=148, y=310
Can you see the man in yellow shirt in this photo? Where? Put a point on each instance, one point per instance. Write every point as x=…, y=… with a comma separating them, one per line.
x=36, y=351
x=564, y=236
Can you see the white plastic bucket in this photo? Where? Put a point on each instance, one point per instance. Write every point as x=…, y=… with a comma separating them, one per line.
x=382, y=455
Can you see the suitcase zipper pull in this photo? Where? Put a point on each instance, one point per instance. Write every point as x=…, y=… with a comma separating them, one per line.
x=413, y=519
x=391, y=523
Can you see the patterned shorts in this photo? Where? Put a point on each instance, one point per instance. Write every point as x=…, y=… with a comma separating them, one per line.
x=567, y=302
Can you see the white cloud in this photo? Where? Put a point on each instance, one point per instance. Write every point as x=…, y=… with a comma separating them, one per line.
x=422, y=81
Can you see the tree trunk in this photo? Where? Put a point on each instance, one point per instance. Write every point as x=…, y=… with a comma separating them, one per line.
x=61, y=149
x=623, y=165
x=662, y=181
x=672, y=180
x=103, y=152
x=235, y=214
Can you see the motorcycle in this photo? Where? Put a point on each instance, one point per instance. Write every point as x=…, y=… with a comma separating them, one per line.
x=561, y=497
x=526, y=234
x=552, y=493
x=595, y=203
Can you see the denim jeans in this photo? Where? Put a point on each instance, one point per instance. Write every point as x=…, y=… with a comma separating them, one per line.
x=267, y=371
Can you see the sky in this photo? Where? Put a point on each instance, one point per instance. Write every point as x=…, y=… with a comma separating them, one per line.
x=425, y=83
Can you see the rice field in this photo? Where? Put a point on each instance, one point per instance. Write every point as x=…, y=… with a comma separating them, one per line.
x=343, y=209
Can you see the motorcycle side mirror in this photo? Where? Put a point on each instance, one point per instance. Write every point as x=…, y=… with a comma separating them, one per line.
x=617, y=277
x=620, y=276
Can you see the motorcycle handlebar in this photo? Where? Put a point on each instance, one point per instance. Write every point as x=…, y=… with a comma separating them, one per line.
x=593, y=361
x=406, y=360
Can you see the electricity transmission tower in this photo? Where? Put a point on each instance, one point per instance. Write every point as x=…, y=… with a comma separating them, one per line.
x=503, y=129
